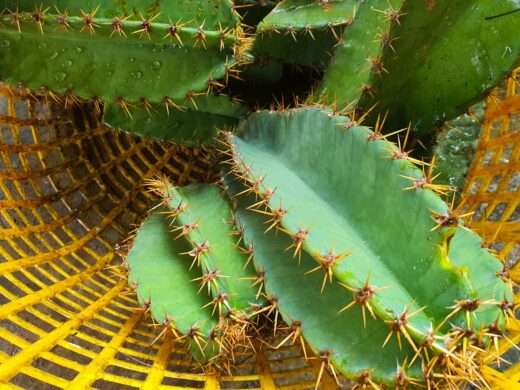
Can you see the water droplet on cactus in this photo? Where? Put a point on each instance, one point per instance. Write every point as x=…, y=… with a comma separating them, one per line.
x=60, y=76
x=137, y=75
x=53, y=55
x=5, y=44
x=42, y=45
x=67, y=63
x=79, y=49
x=156, y=65
x=131, y=59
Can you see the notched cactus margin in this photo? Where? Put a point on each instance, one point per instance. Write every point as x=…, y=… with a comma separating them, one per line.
x=162, y=281
x=216, y=13
x=122, y=60
x=304, y=32
x=404, y=46
x=188, y=123
x=203, y=216
x=358, y=61
x=341, y=342
x=267, y=161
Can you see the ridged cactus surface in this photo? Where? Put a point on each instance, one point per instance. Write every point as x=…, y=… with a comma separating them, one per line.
x=285, y=163
x=303, y=32
x=190, y=272
x=164, y=283
x=126, y=58
x=188, y=122
x=432, y=52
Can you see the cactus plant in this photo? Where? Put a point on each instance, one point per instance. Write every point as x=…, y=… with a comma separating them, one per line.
x=326, y=225
x=303, y=32
x=194, y=121
x=432, y=51
x=351, y=242
x=189, y=273
x=120, y=58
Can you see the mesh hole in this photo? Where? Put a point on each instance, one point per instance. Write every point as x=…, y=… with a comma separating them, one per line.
x=240, y=385
x=514, y=182
x=65, y=353
x=168, y=381
x=497, y=212
x=19, y=331
x=28, y=382
x=36, y=321
x=125, y=372
x=493, y=185
x=55, y=369
x=103, y=384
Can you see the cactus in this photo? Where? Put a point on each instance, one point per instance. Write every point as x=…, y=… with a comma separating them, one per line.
x=189, y=123
x=123, y=58
x=311, y=316
x=204, y=218
x=456, y=145
x=303, y=32
x=434, y=53
x=212, y=304
x=164, y=284
x=289, y=166
x=329, y=226
x=214, y=13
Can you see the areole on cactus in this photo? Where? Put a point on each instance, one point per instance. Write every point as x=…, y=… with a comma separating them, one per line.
x=318, y=227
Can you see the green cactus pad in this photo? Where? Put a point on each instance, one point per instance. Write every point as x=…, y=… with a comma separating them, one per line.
x=354, y=348
x=303, y=31
x=192, y=123
x=295, y=154
x=484, y=270
x=109, y=66
x=442, y=62
x=164, y=281
x=215, y=14
x=456, y=145
x=351, y=72
x=205, y=206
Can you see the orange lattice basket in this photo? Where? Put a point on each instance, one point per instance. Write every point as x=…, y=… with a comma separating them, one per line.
x=70, y=190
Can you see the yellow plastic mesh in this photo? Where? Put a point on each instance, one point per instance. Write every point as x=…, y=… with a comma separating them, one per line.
x=492, y=192
x=70, y=191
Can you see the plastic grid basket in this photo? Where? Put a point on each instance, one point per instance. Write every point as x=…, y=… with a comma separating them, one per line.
x=70, y=190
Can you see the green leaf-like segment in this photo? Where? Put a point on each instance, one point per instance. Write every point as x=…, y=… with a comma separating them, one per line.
x=357, y=58
x=442, y=61
x=131, y=60
x=291, y=161
x=214, y=13
x=303, y=31
x=206, y=219
x=189, y=123
x=353, y=348
x=455, y=147
x=487, y=274
x=164, y=281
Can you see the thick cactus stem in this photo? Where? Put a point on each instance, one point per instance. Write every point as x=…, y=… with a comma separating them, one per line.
x=183, y=122
x=303, y=32
x=346, y=240
x=122, y=60
x=163, y=285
